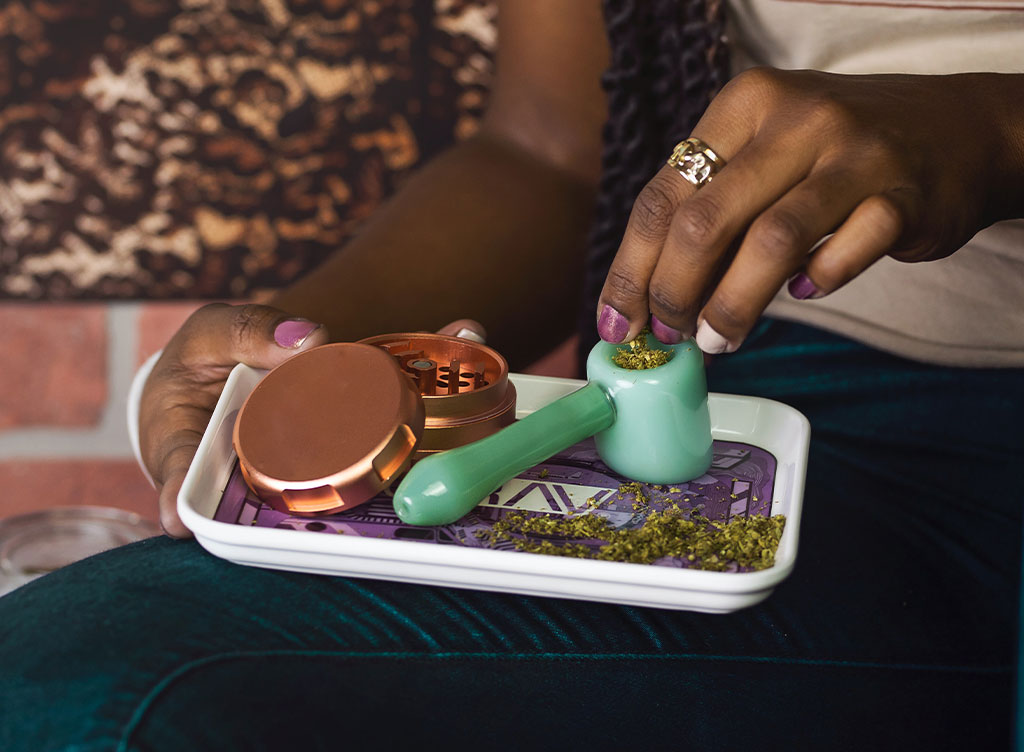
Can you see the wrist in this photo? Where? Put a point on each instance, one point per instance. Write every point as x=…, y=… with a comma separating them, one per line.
x=998, y=107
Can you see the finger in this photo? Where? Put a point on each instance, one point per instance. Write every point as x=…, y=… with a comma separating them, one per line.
x=726, y=127
x=622, y=307
x=169, y=519
x=466, y=329
x=706, y=228
x=172, y=473
x=775, y=246
x=870, y=232
x=256, y=335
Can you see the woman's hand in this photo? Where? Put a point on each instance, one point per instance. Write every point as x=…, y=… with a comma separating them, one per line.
x=909, y=166
x=187, y=380
x=189, y=376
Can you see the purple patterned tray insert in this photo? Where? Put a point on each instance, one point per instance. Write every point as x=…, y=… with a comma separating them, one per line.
x=739, y=483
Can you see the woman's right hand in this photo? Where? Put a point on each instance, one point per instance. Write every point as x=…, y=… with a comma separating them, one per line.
x=187, y=380
x=825, y=175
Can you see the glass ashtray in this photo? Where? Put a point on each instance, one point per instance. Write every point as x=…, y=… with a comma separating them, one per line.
x=36, y=543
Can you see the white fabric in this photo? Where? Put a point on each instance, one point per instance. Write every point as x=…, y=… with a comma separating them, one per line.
x=880, y=36
x=964, y=310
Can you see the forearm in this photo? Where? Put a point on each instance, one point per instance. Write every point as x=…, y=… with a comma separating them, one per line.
x=485, y=231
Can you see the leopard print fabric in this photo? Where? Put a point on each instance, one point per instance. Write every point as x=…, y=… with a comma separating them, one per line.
x=214, y=148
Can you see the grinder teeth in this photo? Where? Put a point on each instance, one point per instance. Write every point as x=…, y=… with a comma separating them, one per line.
x=454, y=376
x=424, y=373
x=432, y=379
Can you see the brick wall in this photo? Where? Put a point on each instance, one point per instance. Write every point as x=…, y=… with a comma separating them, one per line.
x=65, y=370
x=64, y=377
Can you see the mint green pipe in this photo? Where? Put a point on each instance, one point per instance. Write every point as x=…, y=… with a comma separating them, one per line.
x=648, y=425
x=446, y=486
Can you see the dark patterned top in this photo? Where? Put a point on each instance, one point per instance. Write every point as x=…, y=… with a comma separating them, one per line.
x=211, y=148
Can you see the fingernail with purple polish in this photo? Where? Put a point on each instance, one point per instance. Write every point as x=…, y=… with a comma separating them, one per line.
x=665, y=334
x=711, y=341
x=801, y=287
x=612, y=325
x=291, y=333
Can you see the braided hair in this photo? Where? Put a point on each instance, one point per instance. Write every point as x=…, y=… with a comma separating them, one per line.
x=668, y=58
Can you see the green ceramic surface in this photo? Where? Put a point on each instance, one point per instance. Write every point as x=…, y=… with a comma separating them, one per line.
x=662, y=429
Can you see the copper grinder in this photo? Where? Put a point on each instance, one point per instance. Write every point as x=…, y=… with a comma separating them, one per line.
x=330, y=428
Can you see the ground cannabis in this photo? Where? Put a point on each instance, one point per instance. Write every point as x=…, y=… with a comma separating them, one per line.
x=636, y=490
x=746, y=543
x=638, y=355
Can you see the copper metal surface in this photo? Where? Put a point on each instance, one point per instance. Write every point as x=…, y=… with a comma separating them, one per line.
x=478, y=402
x=328, y=429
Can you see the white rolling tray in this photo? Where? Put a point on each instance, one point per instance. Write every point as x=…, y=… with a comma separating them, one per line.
x=768, y=425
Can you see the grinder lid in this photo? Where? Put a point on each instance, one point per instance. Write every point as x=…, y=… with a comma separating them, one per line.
x=328, y=429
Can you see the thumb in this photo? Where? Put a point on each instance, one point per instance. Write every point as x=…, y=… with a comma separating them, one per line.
x=256, y=335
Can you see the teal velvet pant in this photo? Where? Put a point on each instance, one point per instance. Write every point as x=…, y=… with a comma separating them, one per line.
x=897, y=630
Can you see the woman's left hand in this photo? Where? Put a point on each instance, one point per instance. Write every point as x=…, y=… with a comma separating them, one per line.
x=909, y=166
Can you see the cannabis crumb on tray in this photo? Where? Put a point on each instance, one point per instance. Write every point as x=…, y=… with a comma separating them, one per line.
x=744, y=543
x=638, y=355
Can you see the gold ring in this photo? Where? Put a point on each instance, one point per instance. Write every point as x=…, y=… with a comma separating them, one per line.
x=695, y=161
